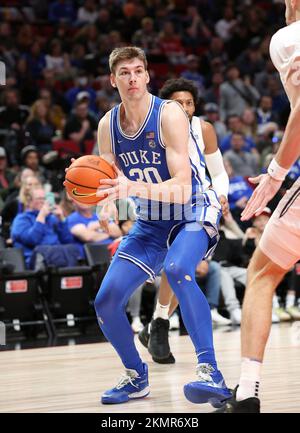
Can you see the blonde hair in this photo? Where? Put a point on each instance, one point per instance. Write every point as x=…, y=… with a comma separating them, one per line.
x=34, y=111
x=24, y=194
x=126, y=53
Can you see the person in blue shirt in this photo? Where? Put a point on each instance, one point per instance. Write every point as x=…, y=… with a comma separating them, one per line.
x=84, y=225
x=40, y=224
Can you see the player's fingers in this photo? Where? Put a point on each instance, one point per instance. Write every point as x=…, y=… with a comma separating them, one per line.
x=111, y=182
x=117, y=170
x=256, y=179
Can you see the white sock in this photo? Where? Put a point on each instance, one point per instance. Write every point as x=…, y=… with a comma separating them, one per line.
x=161, y=311
x=290, y=300
x=249, y=379
x=275, y=302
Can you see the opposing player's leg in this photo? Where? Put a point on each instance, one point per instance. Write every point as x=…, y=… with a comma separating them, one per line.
x=262, y=280
x=155, y=335
x=121, y=280
x=188, y=249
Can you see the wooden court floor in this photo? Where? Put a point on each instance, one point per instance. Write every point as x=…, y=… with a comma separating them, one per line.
x=71, y=378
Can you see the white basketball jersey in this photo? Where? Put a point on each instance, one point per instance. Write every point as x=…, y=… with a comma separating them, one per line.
x=285, y=55
x=196, y=152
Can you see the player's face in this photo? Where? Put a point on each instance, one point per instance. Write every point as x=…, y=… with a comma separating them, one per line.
x=186, y=100
x=131, y=79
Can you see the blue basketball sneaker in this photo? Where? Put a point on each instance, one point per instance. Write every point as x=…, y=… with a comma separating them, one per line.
x=130, y=386
x=209, y=388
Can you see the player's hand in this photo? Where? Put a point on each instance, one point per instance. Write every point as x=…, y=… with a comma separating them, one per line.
x=72, y=160
x=113, y=189
x=224, y=205
x=263, y=193
x=106, y=213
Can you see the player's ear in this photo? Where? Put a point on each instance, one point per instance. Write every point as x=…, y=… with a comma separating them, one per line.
x=147, y=77
x=113, y=80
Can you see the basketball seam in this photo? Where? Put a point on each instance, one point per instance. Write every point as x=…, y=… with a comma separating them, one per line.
x=83, y=186
x=92, y=168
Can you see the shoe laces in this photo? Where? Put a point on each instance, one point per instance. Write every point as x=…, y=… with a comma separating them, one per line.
x=128, y=377
x=204, y=372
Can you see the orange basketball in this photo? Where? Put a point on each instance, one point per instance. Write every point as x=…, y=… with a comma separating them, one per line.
x=83, y=176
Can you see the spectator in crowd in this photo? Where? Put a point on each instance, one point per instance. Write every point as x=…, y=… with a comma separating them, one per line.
x=212, y=94
x=236, y=94
x=170, y=44
x=39, y=225
x=81, y=125
x=56, y=114
x=82, y=87
x=239, y=192
x=36, y=60
x=15, y=205
x=265, y=113
x=211, y=115
x=6, y=177
x=243, y=163
x=87, y=13
x=58, y=61
x=39, y=127
x=208, y=274
x=147, y=38
x=30, y=159
x=61, y=10
x=224, y=27
x=235, y=124
x=192, y=72
x=229, y=254
x=84, y=225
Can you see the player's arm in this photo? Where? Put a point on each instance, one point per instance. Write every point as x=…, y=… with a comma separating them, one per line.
x=108, y=210
x=103, y=137
x=286, y=156
x=177, y=189
x=215, y=165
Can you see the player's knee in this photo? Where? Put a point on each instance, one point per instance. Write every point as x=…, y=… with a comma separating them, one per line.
x=106, y=301
x=176, y=270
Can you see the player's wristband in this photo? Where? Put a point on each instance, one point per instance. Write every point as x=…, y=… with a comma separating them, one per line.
x=277, y=172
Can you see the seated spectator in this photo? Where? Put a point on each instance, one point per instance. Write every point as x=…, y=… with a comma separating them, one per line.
x=229, y=254
x=58, y=61
x=30, y=159
x=235, y=124
x=239, y=193
x=6, y=178
x=61, y=10
x=250, y=125
x=264, y=112
x=243, y=163
x=87, y=13
x=40, y=128
x=192, y=72
x=236, y=94
x=147, y=38
x=82, y=87
x=211, y=115
x=224, y=27
x=36, y=60
x=170, y=44
x=56, y=114
x=12, y=118
x=15, y=205
x=208, y=275
x=39, y=225
x=212, y=94
x=84, y=225
x=81, y=125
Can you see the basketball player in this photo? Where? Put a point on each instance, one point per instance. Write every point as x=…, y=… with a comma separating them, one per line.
x=279, y=246
x=148, y=139
x=155, y=337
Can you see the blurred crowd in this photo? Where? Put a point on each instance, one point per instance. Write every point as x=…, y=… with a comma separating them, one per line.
x=57, y=88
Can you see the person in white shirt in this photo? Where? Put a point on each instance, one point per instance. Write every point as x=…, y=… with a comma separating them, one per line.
x=279, y=247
